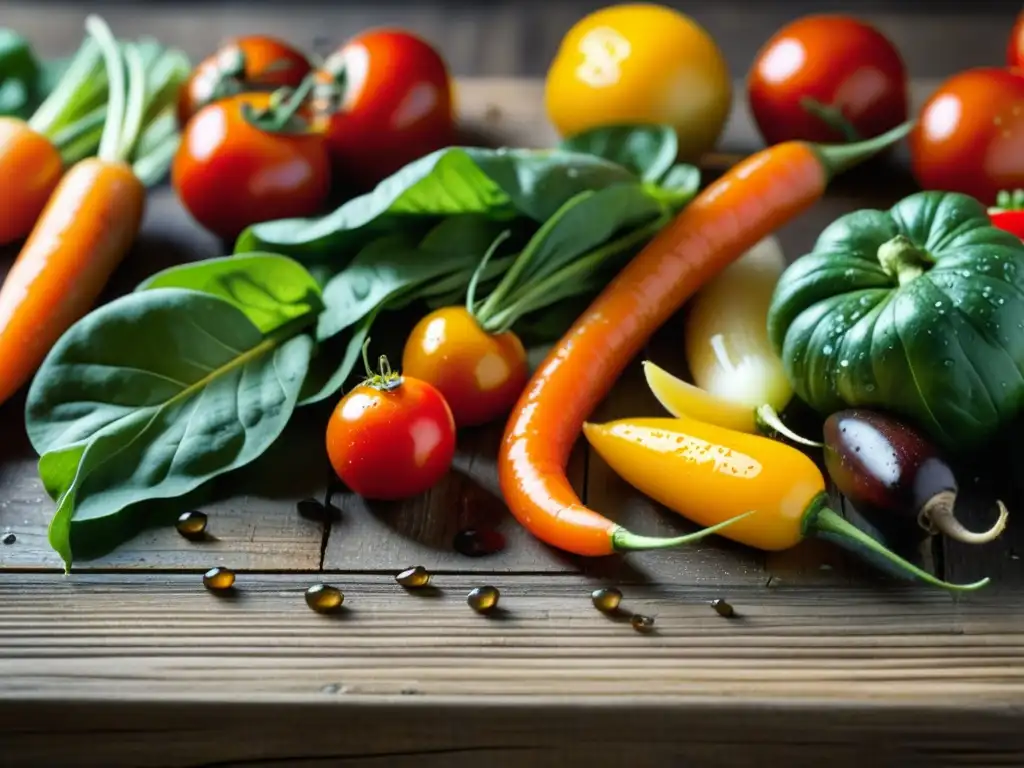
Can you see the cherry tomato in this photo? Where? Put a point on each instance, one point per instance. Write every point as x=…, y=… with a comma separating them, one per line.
x=969, y=137
x=640, y=63
x=827, y=78
x=385, y=99
x=1015, y=46
x=252, y=63
x=391, y=437
x=229, y=174
x=480, y=375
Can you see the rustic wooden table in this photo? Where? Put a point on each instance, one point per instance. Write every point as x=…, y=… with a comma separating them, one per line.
x=130, y=662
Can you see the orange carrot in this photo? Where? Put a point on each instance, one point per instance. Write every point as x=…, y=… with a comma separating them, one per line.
x=30, y=167
x=752, y=200
x=83, y=233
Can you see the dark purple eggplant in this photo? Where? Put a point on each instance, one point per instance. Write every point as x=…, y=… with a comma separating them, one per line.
x=882, y=463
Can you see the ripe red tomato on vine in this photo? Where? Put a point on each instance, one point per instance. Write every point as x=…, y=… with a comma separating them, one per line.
x=250, y=63
x=1015, y=45
x=969, y=136
x=383, y=99
x=827, y=78
x=247, y=159
x=391, y=437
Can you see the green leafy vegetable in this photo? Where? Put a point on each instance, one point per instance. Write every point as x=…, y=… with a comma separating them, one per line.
x=152, y=395
x=648, y=151
x=271, y=290
x=19, y=75
x=500, y=184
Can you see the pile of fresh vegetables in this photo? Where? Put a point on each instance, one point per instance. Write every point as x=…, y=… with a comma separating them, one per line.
x=903, y=329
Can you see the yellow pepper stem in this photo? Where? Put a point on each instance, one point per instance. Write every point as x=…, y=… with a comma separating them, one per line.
x=821, y=522
x=627, y=541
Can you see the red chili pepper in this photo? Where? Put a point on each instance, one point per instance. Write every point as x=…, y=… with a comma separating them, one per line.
x=1008, y=212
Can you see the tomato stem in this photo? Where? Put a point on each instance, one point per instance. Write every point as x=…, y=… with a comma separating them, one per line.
x=385, y=379
x=832, y=116
x=280, y=114
x=1010, y=201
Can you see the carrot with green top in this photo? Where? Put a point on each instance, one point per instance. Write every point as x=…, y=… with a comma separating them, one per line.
x=84, y=231
x=752, y=200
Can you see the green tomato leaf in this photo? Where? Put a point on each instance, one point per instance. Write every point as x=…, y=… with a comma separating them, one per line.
x=152, y=395
x=499, y=184
x=271, y=290
x=647, y=150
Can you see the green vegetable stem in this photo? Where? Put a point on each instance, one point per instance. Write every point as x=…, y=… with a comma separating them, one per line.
x=918, y=311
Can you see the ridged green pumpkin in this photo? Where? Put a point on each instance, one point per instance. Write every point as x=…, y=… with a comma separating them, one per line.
x=918, y=310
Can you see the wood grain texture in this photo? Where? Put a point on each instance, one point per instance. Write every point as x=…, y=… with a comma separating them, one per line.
x=421, y=680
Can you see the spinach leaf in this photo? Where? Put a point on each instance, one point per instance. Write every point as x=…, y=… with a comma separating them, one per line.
x=646, y=150
x=383, y=270
x=150, y=396
x=326, y=376
x=271, y=290
x=682, y=179
x=499, y=184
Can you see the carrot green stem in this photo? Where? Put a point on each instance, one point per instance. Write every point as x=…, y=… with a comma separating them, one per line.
x=113, y=61
x=832, y=116
x=822, y=522
x=55, y=109
x=837, y=158
x=135, y=109
x=626, y=541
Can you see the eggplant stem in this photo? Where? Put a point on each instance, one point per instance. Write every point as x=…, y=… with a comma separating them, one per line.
x=937, y=516
x=768, y=419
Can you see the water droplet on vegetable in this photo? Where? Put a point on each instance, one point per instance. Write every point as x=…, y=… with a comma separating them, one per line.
x=483, y=599
x=474, y=542
x=192, y=525
x=722, y=608
x=642, y=624
x=844, y=363
x=606, y=600
x=219, y=579
x=413, y=578
x=827, y=349
x=324, y=598
x=10, y=538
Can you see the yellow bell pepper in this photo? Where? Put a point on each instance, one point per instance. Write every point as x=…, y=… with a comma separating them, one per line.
x=710, y=474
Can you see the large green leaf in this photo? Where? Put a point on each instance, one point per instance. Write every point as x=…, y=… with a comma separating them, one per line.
x=271, y=290
x=647, y=150
x=500, y=184
x=150, y=396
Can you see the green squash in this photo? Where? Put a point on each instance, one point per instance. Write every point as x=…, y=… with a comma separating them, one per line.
x=918, y=310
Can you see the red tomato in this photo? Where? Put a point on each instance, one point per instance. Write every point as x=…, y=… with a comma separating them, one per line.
x=480, y=375
x=827, y=78
x=1015, y=46
x=394, y=104
x=229, y=174
x=391, y=437
x=969, y=136
x=244, y=64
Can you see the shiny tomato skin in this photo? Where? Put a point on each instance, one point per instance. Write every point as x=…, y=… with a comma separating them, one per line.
x=268, y=63
x=1015, y=46
x=397, y=105
x=229, y=174
x=394, y=443
x=839, y=62
x=969, y=136
x=481, y=375
x=634, y=63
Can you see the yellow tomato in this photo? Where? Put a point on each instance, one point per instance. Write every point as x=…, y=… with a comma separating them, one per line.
x=640, y=64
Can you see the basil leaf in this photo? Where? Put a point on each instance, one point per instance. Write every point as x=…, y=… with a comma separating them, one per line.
x=383, y=270
x=271, y=290
x=499, y=184
x=646, y=150
x=150, y=396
